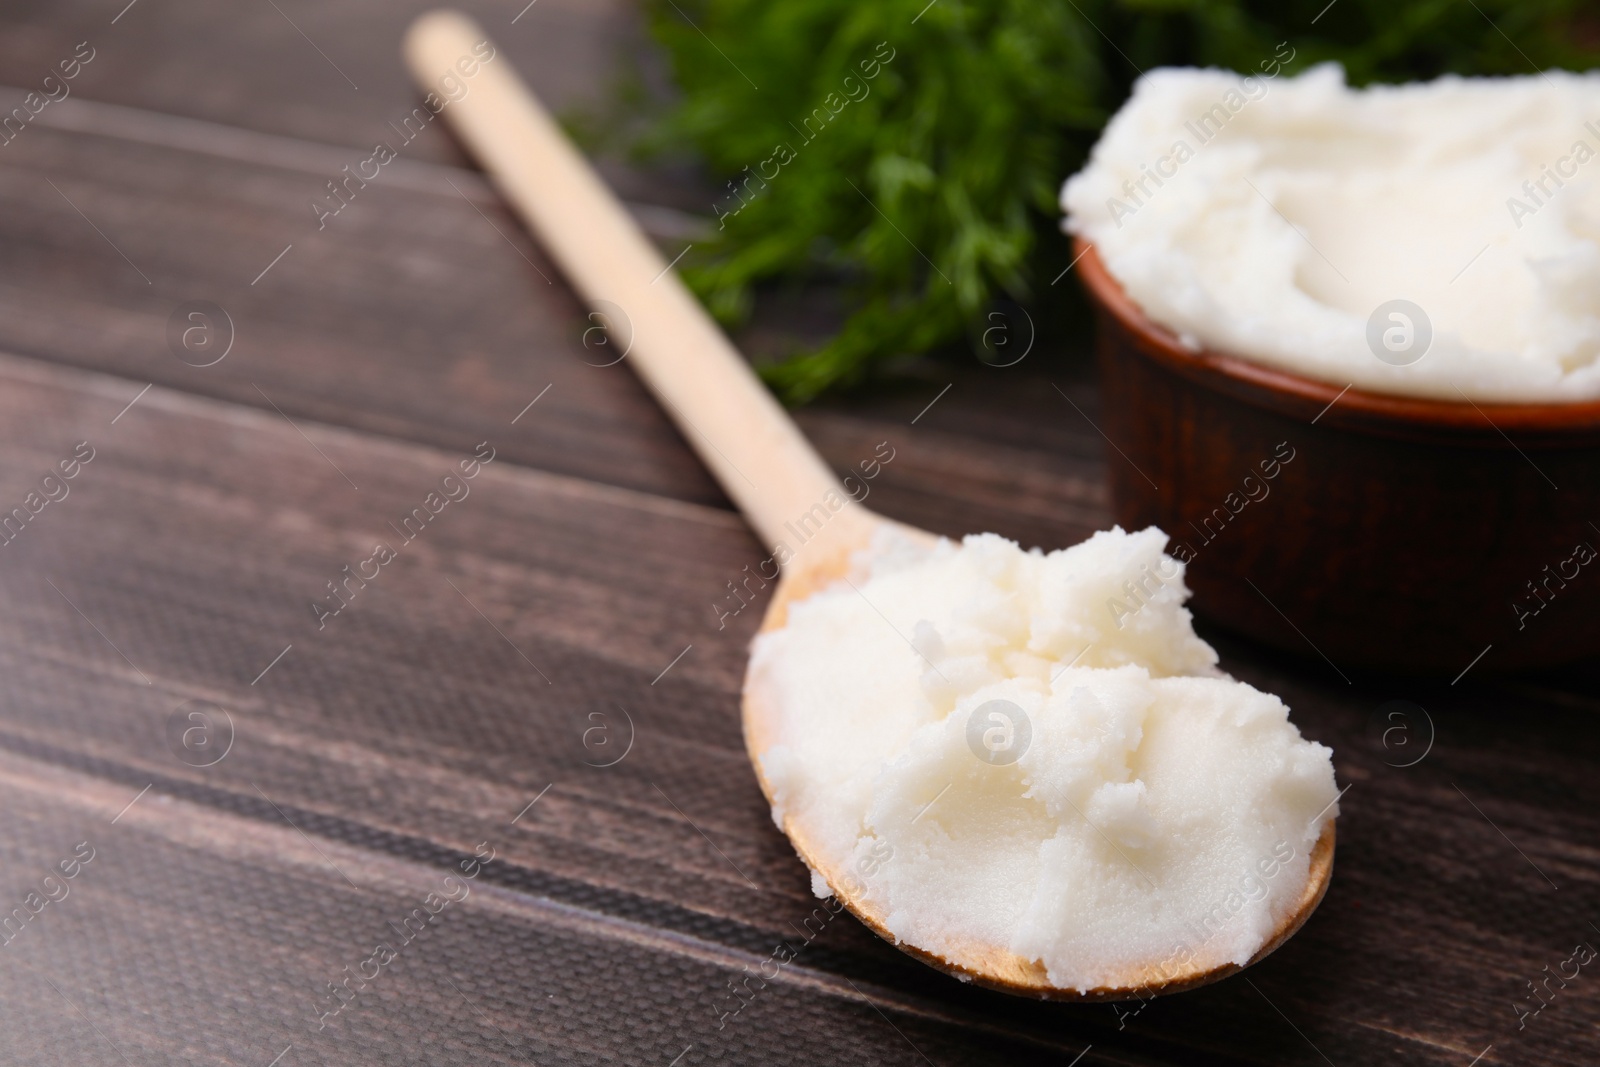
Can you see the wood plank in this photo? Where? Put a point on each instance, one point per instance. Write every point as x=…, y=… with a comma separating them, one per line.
x=408, y=730
x=422, y=312
x=204, y=936
x=288, y=68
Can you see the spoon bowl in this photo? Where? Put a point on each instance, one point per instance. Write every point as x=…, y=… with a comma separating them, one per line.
x=991, y=966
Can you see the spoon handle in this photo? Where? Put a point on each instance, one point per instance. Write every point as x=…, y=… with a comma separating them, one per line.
x=639, y=305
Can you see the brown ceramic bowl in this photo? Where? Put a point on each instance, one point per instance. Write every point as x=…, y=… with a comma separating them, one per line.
x=1400, y=533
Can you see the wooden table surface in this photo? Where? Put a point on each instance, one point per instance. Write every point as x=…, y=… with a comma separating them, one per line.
x=559, y=617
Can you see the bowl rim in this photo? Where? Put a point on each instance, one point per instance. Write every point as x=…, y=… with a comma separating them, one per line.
x=1285, y=390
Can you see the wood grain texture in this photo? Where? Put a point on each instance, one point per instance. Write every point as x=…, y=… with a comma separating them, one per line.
x=409, y=730
x=420, y=321
x=408, y=727
x=282, y=68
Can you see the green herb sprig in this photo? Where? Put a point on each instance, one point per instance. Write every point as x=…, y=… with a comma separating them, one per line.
x=916, y=150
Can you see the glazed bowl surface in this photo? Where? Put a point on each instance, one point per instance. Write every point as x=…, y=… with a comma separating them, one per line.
x=1365, y=529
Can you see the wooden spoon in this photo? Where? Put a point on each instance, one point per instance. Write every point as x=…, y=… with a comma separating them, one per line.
x=752, y=447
